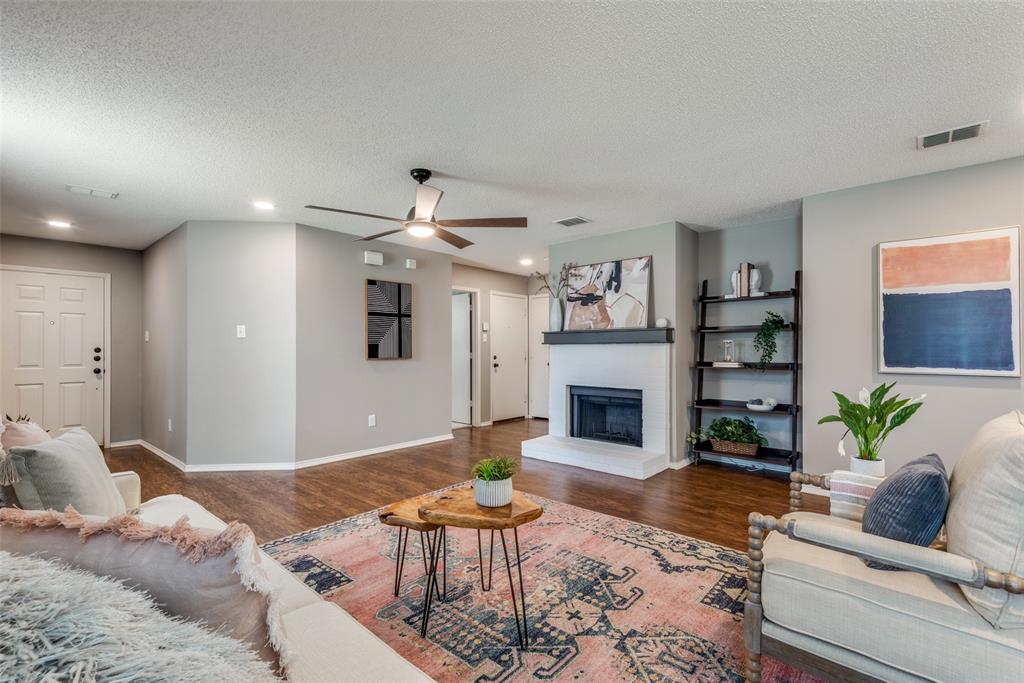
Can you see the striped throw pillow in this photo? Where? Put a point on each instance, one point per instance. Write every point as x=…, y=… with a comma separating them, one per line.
x=849, y=493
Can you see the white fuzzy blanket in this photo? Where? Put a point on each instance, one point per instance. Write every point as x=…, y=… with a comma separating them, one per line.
x=59, y=624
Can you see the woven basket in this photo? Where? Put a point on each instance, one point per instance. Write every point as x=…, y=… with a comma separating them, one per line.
x=734, y=447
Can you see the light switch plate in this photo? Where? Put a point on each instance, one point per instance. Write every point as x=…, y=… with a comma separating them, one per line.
x=240, y=331
x=371, y=421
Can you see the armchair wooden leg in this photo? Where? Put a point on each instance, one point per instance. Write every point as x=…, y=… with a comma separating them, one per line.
x=752, y=613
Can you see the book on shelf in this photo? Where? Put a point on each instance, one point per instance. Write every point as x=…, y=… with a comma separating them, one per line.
x=744, y=279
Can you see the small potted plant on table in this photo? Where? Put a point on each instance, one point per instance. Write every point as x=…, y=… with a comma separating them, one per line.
x=492, y=485
x=732, y=436
x=870, y=420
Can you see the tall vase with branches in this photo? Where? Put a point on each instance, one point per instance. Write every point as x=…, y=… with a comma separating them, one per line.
x=556, y=290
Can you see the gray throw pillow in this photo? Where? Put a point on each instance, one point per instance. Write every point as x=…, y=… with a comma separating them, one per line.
x=68, y=470
x=910, y=505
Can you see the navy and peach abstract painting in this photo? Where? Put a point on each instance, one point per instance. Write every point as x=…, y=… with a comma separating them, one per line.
x=950, y=305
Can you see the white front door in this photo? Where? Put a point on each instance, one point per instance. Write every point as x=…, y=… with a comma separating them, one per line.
x=508, y=356
x=462, y=359
x=53, y=357
x=538, y=355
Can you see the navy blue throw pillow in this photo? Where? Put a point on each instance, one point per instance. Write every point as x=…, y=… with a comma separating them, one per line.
x=910, y=505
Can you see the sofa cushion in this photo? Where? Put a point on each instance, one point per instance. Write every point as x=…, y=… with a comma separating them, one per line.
x=166, y=510
x=835, y=598
x=21, y=433
x=985, y=521
x=328, y=644
x=910, y=505
x=215, y=577
x=67, y=470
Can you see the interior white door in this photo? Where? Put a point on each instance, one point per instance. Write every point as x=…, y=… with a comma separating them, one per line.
x=462, y=359
x=538, y=356
x=509, y=371
x=52, y=356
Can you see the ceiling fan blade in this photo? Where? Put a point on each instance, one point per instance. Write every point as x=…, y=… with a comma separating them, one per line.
x=519, y=222
x=427, y=198
x=451, y=238
x=379, y=234
x=353, y=213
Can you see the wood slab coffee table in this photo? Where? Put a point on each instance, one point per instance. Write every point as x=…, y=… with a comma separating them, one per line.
x=458, y=508
x=405, y=516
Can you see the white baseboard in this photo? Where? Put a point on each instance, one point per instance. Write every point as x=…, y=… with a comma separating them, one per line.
x=302, y=464
x=121, y=444
x=685, y=462
x=485, y=424
x=286, y=466
x=242, y=467
x=163, y=455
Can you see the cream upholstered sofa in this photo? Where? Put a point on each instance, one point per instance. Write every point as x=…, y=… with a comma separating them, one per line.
x=326, y=643
x=949, y=616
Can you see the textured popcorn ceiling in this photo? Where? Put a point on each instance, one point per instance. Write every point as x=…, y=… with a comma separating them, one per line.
x=629, y=114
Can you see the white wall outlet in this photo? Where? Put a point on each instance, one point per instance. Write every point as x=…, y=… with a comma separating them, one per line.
x=483, y=338
x=410, y=263
x=371, y=421
x=240, y=331
x=169, y=426
x=146, y=336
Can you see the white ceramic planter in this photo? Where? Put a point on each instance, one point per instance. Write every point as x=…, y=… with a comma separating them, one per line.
x=493, y=494
x=873, y=468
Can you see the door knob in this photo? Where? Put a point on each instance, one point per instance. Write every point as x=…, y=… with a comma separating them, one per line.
x=495, y=365
x=96, y=371
x=96, y=358
x=96, y=350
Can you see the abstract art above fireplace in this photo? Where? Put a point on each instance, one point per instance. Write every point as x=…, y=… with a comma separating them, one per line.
x=610, y=295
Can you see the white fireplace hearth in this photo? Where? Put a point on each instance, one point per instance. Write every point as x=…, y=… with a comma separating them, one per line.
x=646, y=367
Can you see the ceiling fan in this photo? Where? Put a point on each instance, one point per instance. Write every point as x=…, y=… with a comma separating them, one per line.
x=420, y=221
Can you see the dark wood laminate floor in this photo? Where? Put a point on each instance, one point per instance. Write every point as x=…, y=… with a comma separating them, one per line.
x=706, y=501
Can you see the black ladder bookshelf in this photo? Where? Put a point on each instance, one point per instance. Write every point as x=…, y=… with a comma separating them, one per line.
x=789, y=456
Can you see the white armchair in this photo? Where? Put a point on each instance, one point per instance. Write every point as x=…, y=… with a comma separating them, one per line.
x=814, y=604
x=130, y=487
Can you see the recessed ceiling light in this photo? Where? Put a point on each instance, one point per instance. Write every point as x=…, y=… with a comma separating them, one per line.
x=526, y=261
x=266, y=206
x=59, y=224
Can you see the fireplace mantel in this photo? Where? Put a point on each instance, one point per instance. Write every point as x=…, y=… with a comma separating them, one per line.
x=637, y=335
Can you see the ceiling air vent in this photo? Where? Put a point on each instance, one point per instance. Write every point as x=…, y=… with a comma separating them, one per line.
x=967, y=132
x=574, y=220
x=92, y=191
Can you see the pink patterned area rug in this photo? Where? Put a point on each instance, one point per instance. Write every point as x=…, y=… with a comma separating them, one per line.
x=607, y=600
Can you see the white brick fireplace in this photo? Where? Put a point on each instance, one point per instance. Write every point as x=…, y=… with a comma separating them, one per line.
x=644, y=366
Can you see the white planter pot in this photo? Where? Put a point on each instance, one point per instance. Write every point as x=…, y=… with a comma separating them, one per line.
x=555, y=316
x=493, y=494
x=872, y=468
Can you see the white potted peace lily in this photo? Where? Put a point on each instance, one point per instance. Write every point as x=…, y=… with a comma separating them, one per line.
x=492, y=485
x=870, y=420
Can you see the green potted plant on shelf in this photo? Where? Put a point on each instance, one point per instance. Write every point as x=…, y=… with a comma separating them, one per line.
x=731, y=435
x=871, y=419
x=765, y=341
x=492, y=484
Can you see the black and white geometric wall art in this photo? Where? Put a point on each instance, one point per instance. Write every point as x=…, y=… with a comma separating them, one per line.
x=388, y=320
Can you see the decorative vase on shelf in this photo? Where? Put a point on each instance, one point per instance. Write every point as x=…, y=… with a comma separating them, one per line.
x=493, y=494
x=872, y=468
x=555, y=316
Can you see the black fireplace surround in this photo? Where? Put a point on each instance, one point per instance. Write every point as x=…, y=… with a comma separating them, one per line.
x=602, y=414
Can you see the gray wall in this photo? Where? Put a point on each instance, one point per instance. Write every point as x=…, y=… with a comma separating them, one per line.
x=241, y=392
x=337, y=386
x=486, y=281
x=673, y=284
x=125, y=269
x=165, y=356
x=774, y=247
x=841, y=231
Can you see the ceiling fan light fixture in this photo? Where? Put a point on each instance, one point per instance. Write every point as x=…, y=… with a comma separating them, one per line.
x=420, y=228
